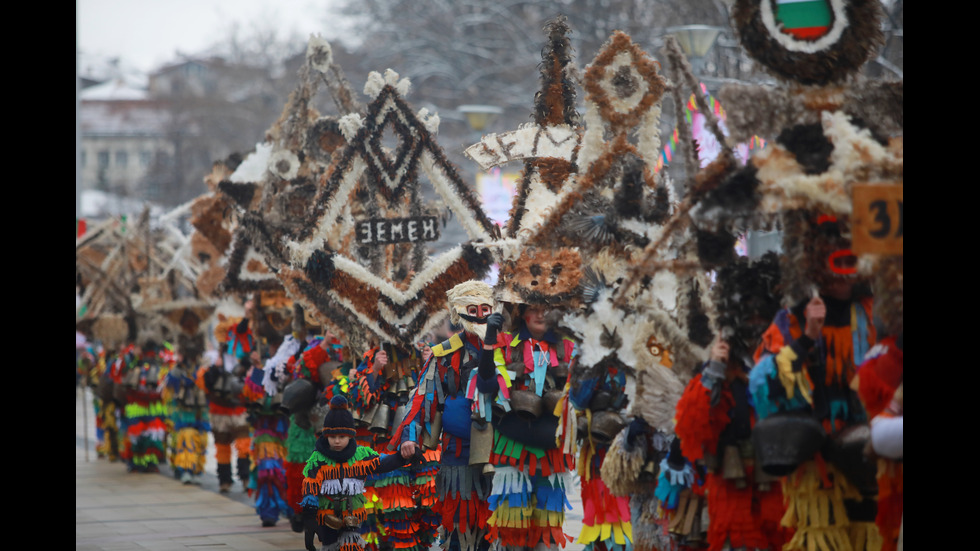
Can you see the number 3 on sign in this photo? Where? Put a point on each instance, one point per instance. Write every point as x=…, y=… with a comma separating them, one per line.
x=879, y=219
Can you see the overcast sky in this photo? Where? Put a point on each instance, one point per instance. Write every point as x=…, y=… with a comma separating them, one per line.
x=150, y=33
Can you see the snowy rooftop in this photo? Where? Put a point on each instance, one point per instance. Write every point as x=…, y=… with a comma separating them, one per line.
x=122, y=117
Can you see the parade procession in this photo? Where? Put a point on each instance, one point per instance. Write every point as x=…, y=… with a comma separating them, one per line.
x=605, y=367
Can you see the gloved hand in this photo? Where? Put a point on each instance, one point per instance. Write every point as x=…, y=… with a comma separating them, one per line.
x=309, y=527
x=675, y=459
x=495, y=322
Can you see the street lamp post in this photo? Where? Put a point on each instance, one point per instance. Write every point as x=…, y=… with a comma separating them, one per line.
x=696, y=41
x=479, y=116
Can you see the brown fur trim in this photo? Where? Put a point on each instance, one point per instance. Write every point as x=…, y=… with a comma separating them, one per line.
x=858, y=42
x=623, y=81
x=544, y=276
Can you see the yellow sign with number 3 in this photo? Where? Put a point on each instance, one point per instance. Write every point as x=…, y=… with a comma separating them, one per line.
x=878, y=222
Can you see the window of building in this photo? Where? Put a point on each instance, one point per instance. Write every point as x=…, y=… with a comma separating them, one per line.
x=146, y=157
x=84, y=159
x=122, y=159
x=103, y=158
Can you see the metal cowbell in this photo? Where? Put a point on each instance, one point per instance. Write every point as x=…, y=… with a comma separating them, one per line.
x=382, y=419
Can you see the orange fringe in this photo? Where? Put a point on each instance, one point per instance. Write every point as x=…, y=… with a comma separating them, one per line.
x=360, y=469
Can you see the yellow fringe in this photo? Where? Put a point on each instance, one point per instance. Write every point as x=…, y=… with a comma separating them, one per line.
x=620, y=533
x=865, y=536
x=525, y=517
x=791, y=380
x=810, y=507
x=268, y=450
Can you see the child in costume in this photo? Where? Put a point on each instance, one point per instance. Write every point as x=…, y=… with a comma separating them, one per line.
x=301, y=399
x=270, y=425
x=599, y=398
x=333, y=487
x=379, y=395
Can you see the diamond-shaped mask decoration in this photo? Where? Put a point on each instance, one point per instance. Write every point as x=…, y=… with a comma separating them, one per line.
x=623, y=82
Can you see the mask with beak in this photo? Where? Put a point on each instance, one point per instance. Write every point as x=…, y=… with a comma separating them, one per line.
x=470, y=303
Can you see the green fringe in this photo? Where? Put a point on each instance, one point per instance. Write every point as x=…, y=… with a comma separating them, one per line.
x=264, y=438
x=388, y=481
x=511, y=448
x=300, y=443
x=317, y=459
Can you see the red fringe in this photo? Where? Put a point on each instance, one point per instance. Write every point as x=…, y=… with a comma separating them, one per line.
x=772, y=507
x=698, y=423
x=891, y=503
x=601, y=507
x=472, y=512
x=215, y=409
x=879, y=377
x=554, y=461
x=294, y=485
x=531, y=536
x=733, y=515
x=314, y=357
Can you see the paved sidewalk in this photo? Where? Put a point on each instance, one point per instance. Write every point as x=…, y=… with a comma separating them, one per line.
x=116, y=510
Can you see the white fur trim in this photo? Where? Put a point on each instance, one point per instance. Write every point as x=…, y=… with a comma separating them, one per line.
x=806, y=46
x=347, y=487
x=254, y=167
x=319, y=54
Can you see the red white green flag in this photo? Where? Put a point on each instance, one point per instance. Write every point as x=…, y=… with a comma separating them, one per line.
x=804, y=19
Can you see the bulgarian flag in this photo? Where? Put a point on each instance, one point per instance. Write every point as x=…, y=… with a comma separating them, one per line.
x=804, y=19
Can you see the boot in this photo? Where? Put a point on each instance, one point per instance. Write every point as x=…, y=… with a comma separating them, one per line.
x=224, y=477
x=244, y=465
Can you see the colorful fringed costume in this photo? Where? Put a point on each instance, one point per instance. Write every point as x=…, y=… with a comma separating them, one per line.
x=441, y=413
x=531, y=463
x=795, y=373
x=145, y=412
x=606, y=519
x=224, y=386
x=302, y=434
x=106, y=411
x=190, y=424
x=267, y=483
x=334, y=482
x=745, y=506
x=395, y=520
